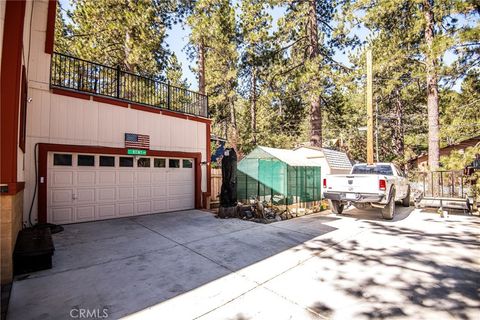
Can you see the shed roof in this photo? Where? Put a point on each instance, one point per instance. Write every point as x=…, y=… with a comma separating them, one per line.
x=290, y=157
x=335, y=159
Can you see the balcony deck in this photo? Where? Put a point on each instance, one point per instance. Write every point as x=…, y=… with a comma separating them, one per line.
x=79, y=75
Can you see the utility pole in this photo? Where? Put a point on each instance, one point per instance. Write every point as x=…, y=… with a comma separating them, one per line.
x=376, y=130
x=369, y=108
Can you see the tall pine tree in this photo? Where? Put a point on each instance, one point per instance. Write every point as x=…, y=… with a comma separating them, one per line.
x=255, y=28
x=214, y=43
x=307, y=39
x=127, y=33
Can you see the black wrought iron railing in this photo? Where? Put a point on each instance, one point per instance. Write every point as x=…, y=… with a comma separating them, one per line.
x=76, y=74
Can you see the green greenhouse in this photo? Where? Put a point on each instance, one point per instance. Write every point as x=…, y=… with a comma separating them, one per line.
x=279, y=177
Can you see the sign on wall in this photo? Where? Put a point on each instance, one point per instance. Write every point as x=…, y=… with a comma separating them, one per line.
x=137, y=152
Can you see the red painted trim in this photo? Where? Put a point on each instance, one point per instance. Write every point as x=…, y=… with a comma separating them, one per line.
x=110, y=101
x=173, y=114
x=186, y=116
x=144, y=108
x=209, y=158
x=50, y=35
x=203, y=120
x=10, y=84
x=207, y=194
x=14, y=188
x=45, y=148
x=23, y=111
x=198, y=181
x=72, y=94
x=42, y=187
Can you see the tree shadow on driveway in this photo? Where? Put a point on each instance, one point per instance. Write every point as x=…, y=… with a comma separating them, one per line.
x=416, y=270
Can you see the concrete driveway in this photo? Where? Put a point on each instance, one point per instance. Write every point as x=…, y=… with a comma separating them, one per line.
x=188, y=265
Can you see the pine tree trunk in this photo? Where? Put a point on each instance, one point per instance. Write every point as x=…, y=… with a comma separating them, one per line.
x=233, y=115
x=233, y=124
x=315, y=101
x=127, y=51
x=432, y=89
x=315, y=122
x=201, y=68
x=253, y=106
x=225, y=129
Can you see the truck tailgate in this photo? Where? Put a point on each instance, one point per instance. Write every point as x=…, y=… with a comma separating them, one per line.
x=353, y=183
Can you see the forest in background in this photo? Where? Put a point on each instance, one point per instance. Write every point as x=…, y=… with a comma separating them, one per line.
x=280, y=85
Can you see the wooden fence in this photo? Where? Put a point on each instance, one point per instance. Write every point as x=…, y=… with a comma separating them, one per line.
x=216, y=178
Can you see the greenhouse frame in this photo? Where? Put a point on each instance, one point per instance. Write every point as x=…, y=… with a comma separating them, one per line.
x=279, y=177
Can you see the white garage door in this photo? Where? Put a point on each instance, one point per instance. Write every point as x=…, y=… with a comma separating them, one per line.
x=87, y=187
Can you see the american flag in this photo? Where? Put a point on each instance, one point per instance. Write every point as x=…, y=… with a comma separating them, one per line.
x=139, y=141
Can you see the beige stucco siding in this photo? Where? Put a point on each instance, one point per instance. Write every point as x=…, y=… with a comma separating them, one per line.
x=56, y=118
x=39, y=62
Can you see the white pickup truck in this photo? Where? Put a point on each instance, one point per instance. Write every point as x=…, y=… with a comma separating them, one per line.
x=378, y=185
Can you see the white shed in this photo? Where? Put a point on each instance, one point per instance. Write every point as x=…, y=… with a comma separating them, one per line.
x=331, y=161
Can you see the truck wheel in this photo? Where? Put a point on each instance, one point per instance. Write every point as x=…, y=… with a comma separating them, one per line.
x=406, y=200
x=337, y=207
x=389, y=210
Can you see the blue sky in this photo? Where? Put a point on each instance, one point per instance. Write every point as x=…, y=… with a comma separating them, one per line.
x=177, y=40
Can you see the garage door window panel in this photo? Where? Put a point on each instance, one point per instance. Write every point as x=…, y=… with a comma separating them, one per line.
x=143, y=163
x=159, y=163
x=107, y=161
x=174, y=163
x=126, y=162
x=85, y=160
x=60, y=159
x=186, y=163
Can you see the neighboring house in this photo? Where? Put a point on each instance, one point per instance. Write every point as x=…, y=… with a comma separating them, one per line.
x=331, y=161
x=76, y=145
x=421, y=162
